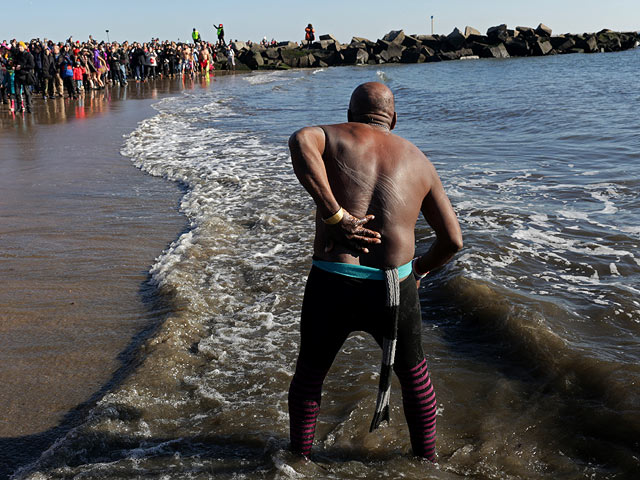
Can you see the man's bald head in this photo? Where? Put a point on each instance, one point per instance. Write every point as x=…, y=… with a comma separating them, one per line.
x=372, y=98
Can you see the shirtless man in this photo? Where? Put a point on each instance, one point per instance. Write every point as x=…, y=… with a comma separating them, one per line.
x=358, y=174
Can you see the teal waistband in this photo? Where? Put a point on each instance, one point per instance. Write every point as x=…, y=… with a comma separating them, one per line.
x=359, y=271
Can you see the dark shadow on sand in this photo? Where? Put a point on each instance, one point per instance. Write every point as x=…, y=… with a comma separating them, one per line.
x=18, y=452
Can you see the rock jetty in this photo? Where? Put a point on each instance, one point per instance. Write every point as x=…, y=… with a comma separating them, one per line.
x=398, y=47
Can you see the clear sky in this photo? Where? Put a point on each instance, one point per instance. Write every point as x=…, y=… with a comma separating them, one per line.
x=285, y=20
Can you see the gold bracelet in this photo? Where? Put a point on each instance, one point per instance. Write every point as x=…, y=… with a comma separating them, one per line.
x=335, y=218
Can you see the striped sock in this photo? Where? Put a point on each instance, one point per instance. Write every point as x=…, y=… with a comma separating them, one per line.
x=305, y=393
x=419, y=402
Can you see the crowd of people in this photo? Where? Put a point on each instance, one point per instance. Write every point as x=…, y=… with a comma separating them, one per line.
x=48, y=69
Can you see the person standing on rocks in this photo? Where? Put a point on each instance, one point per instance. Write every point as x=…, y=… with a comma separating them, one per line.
x=195, y=35
x=220, y=32
x=231, y=58
x=309, y=35
x=366, y=280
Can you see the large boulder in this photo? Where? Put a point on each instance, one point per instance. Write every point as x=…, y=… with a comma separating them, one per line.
x=483, y=39
x=360, y=40
x=291, y=61
x=272, y=53
x=609, y=41
x=557, y=41
x=355, y=56
x=590, y=44
x=292, y=56
x=489, y=51
x=479, y=49
x=411, y=41
x=517, y=47
x=629, y=40
x=394, y=36
x=497, y=34
x=542, y=46
x=381, y=45
x=567, y=44
x=431, y=41
x=328, y=36
x=543, y=30
x=456, y=39
x=307, y=61
x=413, y=55
x=450, y=55
x=288, y=45
x=239, y=46
x=321, y=44
x=471, y=31
x=252, y=60
x=429, y=53
x=526, y=32
x=392, y=54
x=456, y=54
x=325, y=56
x=498, y=51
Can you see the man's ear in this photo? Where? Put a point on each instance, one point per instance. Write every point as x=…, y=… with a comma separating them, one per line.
x=349, y=115
x=394, y=120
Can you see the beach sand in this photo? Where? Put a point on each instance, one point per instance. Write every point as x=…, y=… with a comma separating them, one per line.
x=80, y=228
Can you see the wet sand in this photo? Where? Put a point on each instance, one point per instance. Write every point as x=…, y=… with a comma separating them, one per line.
x=80, y=226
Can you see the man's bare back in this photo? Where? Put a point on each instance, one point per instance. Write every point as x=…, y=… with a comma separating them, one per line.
x=365, y=169
x=372, y=171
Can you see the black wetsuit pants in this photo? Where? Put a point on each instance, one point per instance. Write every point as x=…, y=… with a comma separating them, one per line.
x=334, y=306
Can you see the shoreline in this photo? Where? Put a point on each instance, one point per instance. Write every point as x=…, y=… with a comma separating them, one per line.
x=81, y=228
x=93, y=103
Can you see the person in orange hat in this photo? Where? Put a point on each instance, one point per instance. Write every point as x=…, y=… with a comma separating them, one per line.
x=24, y=65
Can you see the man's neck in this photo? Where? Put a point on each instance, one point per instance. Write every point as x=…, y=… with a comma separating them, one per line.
x=372, y=120
x=378, y=124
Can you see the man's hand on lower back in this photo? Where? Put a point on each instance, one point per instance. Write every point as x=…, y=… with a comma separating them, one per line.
x=351, y=233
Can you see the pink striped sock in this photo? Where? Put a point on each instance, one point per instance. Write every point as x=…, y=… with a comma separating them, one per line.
x=305, y=394
x=419, y=400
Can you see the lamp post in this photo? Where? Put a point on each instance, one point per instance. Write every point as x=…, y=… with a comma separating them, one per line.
x=431, y=25
x=109, y=41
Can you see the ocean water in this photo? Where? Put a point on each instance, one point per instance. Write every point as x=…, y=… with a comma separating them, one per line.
x=531, y=332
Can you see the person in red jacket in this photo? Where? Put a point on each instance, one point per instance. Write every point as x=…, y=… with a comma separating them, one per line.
x=78, y=73
x=309, y=35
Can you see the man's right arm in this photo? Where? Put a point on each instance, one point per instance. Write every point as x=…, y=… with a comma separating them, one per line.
x=438, y=212
x=307, y=148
